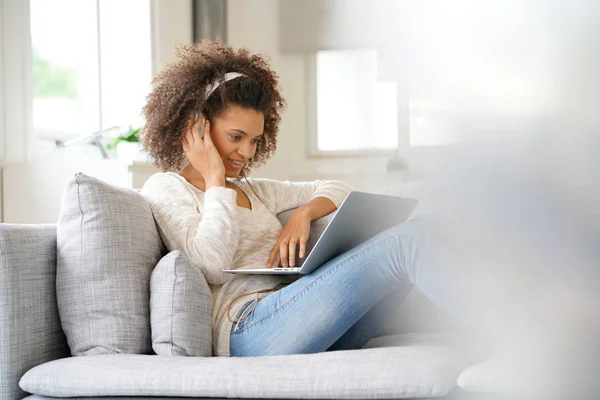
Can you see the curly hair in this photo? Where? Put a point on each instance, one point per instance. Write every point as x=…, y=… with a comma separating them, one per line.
x=180, y=90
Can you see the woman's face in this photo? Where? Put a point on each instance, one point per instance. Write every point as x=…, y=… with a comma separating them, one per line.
x=235, y=134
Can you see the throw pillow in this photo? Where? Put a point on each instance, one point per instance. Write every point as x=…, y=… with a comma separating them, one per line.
x=107, y=246
x=180, y=308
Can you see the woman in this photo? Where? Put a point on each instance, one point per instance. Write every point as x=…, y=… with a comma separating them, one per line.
x=211, y=118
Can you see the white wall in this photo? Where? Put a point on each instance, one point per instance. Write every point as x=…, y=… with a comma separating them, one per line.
x=312, y=25
x=171, y=23
x=255, y=24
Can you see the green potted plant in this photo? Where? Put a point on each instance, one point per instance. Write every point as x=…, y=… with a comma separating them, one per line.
x=131, y=136
x=127, y=145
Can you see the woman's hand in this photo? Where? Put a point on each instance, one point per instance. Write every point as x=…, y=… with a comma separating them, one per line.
x=294, y=233
x=202, y=153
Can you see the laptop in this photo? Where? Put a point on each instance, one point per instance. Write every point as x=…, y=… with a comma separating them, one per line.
x=360, y=217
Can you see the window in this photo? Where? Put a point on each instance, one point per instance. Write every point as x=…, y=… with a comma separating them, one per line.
x=355, y=111
x=91, y=65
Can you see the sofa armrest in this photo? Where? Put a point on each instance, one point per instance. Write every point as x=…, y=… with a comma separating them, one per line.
x=30, y=329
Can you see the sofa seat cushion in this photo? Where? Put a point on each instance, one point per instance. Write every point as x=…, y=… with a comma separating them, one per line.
x=423, y=369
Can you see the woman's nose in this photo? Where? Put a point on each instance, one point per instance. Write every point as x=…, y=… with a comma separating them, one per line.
x=246, y=150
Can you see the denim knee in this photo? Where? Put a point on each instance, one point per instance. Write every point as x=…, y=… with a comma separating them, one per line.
x=405, y=249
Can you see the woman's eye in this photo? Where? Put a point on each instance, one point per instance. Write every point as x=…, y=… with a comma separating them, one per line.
x=236, y=137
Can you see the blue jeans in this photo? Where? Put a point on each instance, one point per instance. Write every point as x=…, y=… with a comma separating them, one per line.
x=348, y=301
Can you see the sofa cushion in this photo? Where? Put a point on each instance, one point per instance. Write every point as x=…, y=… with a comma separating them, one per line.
x=524, y=373
x=107, y=246
x=414, y=368
x=180, y=308
x=487, y=377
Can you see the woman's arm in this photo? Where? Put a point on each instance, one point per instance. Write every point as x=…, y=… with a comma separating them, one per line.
x=209, y=238
x=312, y=200
x=317, y=208
x=296, y=230
x=279, y=196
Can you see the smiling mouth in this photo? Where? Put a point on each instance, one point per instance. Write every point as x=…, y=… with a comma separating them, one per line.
x=237, y=164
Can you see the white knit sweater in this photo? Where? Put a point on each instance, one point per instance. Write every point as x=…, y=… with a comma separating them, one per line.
x=216, y=234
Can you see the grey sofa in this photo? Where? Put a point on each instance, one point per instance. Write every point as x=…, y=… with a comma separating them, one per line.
x=35, y=359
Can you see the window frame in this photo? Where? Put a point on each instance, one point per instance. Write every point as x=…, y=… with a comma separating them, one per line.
x=16, y=82
x=312, y=149
x=100, y=101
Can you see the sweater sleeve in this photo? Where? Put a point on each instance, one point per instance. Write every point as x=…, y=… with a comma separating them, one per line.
x=279, y=196
x=208, y=238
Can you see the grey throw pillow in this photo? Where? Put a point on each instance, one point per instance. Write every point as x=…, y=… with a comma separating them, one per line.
x=180, y=308
x=107, y=247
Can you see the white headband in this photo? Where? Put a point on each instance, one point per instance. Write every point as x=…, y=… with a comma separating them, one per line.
x=213, y=86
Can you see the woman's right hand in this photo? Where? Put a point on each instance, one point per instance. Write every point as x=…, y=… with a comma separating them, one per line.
x=202, y=153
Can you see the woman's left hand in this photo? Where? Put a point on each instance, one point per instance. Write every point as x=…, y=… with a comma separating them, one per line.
x=294, y=233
